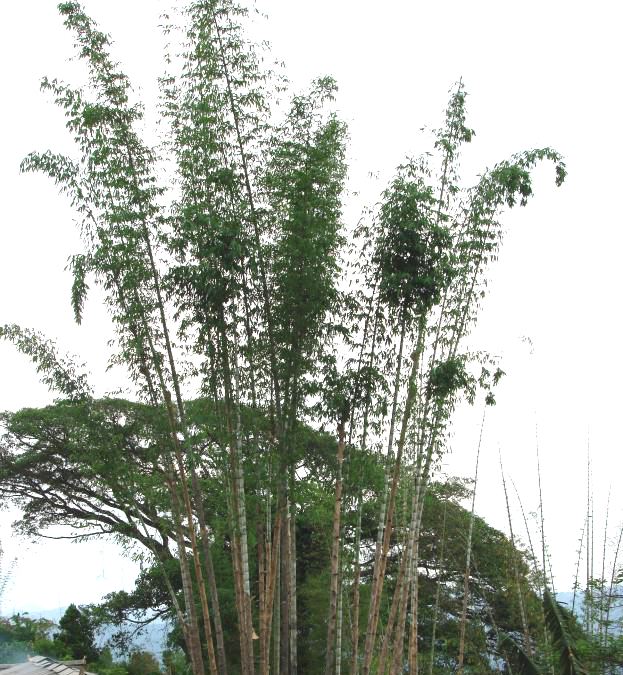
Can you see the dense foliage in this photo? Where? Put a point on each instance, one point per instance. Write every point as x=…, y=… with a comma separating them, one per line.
x=292, y=375
x=74, y=639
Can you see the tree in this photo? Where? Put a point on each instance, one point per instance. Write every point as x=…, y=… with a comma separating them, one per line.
x=77, y=634
x=143, y=663
x=51, y=476
x=237, y=278
x=175, y=662
x=21, y=636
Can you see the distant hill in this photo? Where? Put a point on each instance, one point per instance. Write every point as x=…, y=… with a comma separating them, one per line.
x=37, y=612
x=152, y=638
x=566, y=598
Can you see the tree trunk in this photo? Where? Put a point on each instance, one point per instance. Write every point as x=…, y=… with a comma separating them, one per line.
x=602, y=589
x=239, y=500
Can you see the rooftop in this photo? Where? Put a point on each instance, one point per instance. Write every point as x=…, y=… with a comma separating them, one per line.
x=44, y=665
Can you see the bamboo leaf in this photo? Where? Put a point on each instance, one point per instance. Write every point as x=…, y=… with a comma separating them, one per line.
x=78, y=264
x=58, y=373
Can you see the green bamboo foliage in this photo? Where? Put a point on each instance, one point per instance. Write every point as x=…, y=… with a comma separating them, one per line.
x=211, y=245
x=113, y=186
x=241, y=280
x=434, y=244
x=60, y=374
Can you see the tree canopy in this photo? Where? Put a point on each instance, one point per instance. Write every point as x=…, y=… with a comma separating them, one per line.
x=293, y=375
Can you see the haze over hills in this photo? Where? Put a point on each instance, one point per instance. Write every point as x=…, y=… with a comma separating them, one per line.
x=152, y=637
x=566, y=599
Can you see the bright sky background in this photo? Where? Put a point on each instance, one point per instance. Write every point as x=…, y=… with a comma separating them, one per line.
x=538, y=73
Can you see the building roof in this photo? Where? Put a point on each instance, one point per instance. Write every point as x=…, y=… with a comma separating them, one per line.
x=44, y=665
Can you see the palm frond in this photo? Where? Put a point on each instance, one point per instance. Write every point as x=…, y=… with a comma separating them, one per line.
x=522, y=664
x=557, y=620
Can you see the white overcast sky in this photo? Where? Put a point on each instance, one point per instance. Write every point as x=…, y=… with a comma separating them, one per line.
x=538, y=73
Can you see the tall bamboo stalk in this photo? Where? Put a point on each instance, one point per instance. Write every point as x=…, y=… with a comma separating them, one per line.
x=544, y=568
x=354, y=663
x=293, y=594
x=277, y=613
x=239, y=533
x=335, y=553
x=603, y=573
x=194, y=646
x=192, y=631
x=379, y=569
x=397, y=661
x=593, y=609
x=273, y=584
x=393, y=612
x=613, y=577
x=468, y=556
x=193, y=540
x=173, y=419
x=437, y=592
x=380, y=534
x=525, y=520
x=415, y=581
x=338, y=628
x=520, y=595
x=412, y=549
x=180, y=421
x=284, y=563
x=538, y=472
x=576, y=583
x=587, y=591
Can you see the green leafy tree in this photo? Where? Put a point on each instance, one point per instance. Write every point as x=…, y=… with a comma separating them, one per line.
x=175, y=662
x=22, y=636
x=143, y=663
x=106, y=665
x=77, y=634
